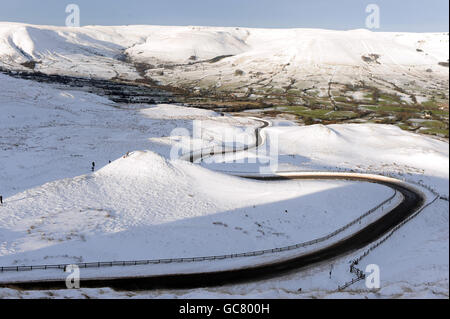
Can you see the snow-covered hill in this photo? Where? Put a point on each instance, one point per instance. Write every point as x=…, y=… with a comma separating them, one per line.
x=147, y=205
x=144, y=205
x=182, y=55
x=21, y=43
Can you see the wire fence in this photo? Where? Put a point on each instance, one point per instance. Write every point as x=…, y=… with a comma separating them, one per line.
x=397, y=176
x=360, y=275
x=203, y=258
x=259, y=140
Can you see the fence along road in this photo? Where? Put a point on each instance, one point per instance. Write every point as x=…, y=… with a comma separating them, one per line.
x=412, y=201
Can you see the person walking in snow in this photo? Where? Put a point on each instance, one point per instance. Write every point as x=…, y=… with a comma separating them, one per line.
x=93, y=166
x=1, y=200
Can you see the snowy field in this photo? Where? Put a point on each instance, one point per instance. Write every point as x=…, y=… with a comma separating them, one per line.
x=137, y=201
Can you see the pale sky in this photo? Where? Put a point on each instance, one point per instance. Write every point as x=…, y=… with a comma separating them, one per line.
x=395, y=15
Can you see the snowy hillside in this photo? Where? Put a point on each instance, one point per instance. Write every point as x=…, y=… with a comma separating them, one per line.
x=264, y=55
x=145, y=204
x=90, y=117
x=143, y=207
x=49, y=133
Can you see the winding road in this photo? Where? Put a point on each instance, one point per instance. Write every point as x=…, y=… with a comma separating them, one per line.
x=412, y=201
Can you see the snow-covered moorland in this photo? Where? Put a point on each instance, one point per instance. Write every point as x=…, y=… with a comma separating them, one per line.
x=139, y=203
x=145, y=205
x=231, y=58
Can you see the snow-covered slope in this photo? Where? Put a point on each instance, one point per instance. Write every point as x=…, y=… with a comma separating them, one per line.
x=57, y=211
x=145, y=207
x=277, y=54
x=183, y=44
x=180, y=44
x=48, y=133
x=143, y=200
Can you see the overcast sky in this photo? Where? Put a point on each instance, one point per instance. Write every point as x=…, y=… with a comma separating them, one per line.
x=395, y=15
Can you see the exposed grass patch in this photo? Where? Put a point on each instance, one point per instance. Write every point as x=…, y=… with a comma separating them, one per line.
x=436, y=131
x=434, y=124
x=321, y=114
x=430, y=104
x=341, y=99
x=391, y=108
x=389, y=99
x=405, y=127
x=443, y=113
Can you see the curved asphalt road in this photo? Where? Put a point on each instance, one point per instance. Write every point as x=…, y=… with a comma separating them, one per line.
x=413, y=200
